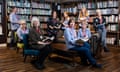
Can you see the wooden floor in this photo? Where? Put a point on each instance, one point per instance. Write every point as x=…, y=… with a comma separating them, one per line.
x=10, y=61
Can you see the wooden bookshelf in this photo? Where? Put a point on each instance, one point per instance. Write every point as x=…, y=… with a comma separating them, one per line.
x=109, y=9
x=28, y=9
x=2, y=22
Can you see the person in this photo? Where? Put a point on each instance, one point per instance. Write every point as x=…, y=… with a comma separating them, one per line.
x=83, y=15
x=22, y=30
x=14, y=20
x=84, y=33
x=66, y=19
x=35, y=41
x=53, y=25
x=70, y=36
x=99, y=23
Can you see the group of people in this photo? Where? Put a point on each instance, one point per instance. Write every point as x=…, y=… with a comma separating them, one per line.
x=70, y=34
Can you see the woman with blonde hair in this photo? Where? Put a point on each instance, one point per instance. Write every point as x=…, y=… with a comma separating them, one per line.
x=22, y=30
x=83, y=15
x=35, y=40
x=99, y=23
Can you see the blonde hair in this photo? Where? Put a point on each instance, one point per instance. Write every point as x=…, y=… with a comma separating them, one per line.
x=35, y=19
x=81, y=13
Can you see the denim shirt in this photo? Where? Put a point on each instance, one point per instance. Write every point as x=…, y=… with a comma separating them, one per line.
x=69, y=38
x=14, y=19
x=21, y=32
x=80, y=34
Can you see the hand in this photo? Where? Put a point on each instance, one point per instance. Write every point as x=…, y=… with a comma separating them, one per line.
x=47, y=43
x=44, y=43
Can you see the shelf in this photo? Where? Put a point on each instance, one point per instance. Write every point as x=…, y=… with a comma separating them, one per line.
x=107, y=7
x=112, y=23
x=41, y=8
x=19, y=7
x=20, y=14
x=105, y=14
x=112, y=31
x=26, y=21
x=39, y=15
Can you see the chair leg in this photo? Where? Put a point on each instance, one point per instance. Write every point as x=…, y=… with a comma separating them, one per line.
x=25, y=57
x=17, y=50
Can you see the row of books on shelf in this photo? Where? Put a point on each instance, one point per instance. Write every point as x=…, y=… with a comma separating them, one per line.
x=41, y=12
x=101, y=4
x=110, y=40
x=39, y=5
x=88, y=5
x=111, y=19
x=18, y=3
x=0, y=18
x=0, y=9
x=21, y=10
x=70, y=10
x=43, y=18
x=34, y=11
x=1, y=32
x=9, y=25
x=28, y=4
x=104, y=11
x=110, y=3
x=112, y=27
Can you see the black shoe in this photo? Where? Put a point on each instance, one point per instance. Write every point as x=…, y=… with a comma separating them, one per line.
x=106, y=49
x=97, y=65
x=37, y=65
x=85, y=63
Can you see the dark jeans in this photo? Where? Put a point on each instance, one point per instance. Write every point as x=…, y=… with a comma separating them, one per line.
x=44, y=52
x=85, y=54
x=13, y=39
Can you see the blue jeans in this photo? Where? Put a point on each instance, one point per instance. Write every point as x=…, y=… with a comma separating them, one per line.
x=102, y=33
x=85, y=54
x=87, y=45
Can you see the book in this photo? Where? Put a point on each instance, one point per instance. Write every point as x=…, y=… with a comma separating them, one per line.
x=81, y=41
x=48, y=39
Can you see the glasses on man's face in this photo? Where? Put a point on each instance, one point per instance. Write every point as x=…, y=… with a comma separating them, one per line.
x=23, y=24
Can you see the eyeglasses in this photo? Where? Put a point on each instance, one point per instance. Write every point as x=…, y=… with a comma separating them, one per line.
x=23, y=24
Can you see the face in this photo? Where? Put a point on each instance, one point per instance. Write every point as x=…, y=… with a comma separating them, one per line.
x=72, y=23
x=54, y=14
x=84, y=26
x=15, y=9
x=65, y=14
x=35, y=23
x=83, y=10
x=23, y=25
x=98, y=12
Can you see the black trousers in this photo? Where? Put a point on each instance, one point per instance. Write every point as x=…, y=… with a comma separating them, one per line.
x=13, y=39
x=44, y=52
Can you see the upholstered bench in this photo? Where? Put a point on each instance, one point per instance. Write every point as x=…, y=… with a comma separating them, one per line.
x=60, y=49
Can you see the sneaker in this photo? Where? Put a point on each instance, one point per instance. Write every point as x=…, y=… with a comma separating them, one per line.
x=106, y=49
x=97, y=65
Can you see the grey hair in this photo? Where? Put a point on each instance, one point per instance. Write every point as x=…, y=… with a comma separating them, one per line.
x=35, y=19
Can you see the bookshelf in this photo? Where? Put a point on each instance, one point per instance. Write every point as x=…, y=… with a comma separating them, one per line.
x=42, y=11
x=109, y=9
x=0, y=19
x=110, y=12
x=28, y=9
x=2, y=22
